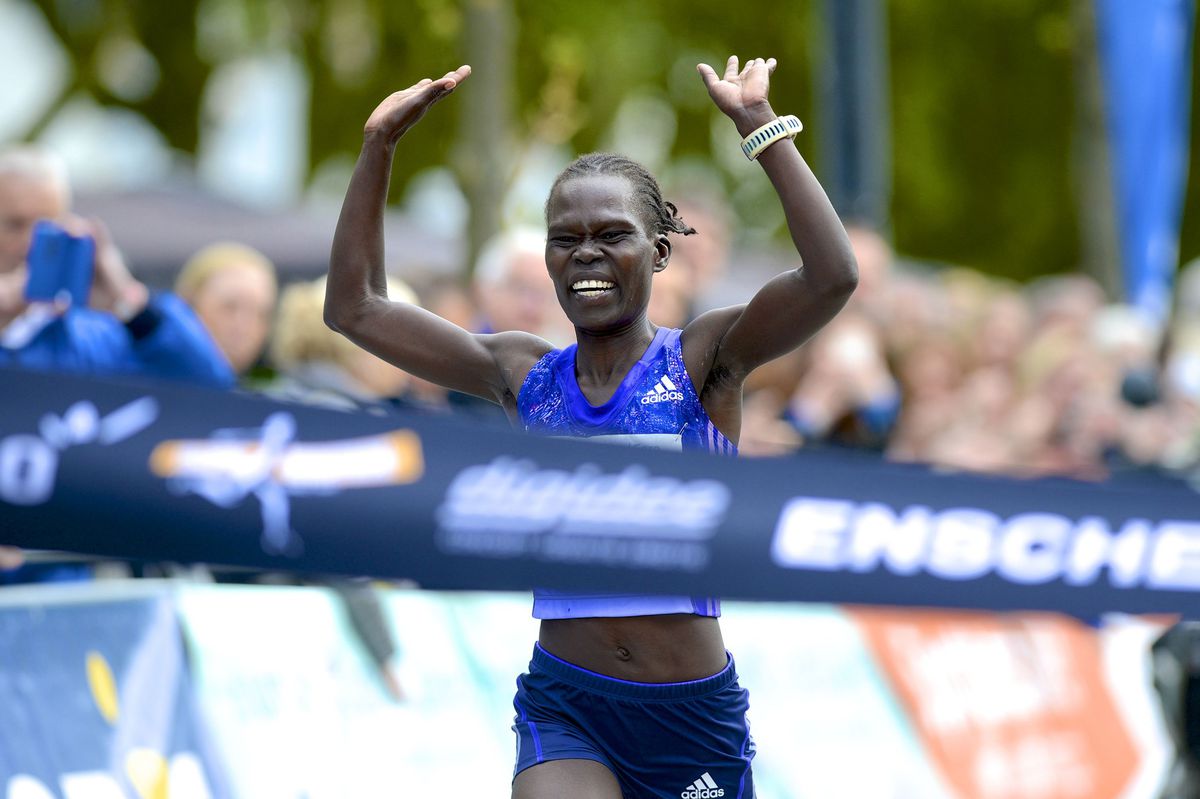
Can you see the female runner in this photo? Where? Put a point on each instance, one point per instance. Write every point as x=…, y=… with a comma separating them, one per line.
x=626, y=696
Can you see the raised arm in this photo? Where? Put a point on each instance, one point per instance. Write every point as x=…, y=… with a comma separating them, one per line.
x=793, y=306
x=356, y=302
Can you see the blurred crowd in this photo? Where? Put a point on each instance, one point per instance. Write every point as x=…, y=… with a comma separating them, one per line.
x=956, y=369
x=944, y=366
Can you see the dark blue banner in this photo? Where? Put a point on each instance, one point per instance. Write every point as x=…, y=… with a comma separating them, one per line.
x=1146, y=62
x=169, y=473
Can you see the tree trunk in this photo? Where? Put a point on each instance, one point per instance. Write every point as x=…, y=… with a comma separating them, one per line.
x=484, y=141
x=1099, y=246
x=853, y=95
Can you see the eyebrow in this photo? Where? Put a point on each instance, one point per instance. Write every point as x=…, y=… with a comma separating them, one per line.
x=604, y=222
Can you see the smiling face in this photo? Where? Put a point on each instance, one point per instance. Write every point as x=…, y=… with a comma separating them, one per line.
x=599, y=253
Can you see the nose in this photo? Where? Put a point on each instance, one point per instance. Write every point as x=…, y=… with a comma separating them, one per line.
x=587, y=251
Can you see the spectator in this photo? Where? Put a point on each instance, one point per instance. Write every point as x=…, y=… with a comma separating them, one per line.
x=847, y=395
x=703, y=259
x=512, y=290
x=445, y=296
x=875, y=259
x=320, y=367
x=671, y=298
x=127, y=330
x=232, y=288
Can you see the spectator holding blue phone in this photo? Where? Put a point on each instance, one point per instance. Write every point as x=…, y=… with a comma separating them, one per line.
x=67, y=300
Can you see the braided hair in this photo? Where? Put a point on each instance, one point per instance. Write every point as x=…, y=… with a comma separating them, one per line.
x=660, y=215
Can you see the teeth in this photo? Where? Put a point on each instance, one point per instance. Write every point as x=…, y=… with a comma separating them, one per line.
x=591, y=285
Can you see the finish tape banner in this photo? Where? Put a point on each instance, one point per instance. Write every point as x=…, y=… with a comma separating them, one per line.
x=160, y=472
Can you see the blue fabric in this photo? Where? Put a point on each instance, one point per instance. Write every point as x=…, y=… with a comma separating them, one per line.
x=656, y=399
x=1145, y=57
x=688, y=739
x=172, y=344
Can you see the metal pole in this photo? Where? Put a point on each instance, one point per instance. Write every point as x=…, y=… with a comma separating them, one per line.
x=853, y=98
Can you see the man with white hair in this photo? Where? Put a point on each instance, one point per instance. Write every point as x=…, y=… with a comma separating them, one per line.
x=512, y=288
x=513, y=291
x=126, y=329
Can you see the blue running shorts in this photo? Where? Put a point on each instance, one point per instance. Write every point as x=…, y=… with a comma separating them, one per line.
x=683, y=740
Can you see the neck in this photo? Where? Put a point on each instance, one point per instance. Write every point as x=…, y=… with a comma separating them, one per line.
x=601, y=358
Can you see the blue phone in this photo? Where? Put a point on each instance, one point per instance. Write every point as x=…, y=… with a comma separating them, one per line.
x=60, y=266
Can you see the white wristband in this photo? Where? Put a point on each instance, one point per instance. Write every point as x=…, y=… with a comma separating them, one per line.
x=766, y=135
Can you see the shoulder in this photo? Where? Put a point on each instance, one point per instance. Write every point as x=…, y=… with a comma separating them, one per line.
x=93, y=326
x=168, y=301
x=515, y=348
x=85, y=339
x=712, y=324
x=515, y=353
x=171, y=306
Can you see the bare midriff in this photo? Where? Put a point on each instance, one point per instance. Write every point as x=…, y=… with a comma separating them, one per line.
x=655, y=649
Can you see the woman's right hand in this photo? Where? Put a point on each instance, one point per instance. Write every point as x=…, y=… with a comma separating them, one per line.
x=401, y=110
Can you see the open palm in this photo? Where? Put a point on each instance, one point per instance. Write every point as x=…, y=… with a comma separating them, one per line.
x=401, y=110
x=739, y=91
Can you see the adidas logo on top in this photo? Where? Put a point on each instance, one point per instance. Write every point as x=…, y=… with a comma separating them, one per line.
x=703, y=788
x=664, y=391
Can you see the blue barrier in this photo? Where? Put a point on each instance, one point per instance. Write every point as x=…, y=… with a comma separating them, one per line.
x=160, y=472
x=95, y=700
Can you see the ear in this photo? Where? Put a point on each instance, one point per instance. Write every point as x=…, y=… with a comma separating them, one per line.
x=662, y=252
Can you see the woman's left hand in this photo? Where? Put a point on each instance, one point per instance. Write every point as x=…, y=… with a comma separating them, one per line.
x=741, y=94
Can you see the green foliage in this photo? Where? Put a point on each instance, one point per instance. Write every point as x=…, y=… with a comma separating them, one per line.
x=983, y=94
x=982, y=108
x=166, y=31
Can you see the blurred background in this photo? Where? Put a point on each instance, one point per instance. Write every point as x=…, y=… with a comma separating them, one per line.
x=1014, y=177
x=981, y=139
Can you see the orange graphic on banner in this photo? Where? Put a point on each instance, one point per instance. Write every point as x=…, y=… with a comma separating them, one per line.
x=1009, y=707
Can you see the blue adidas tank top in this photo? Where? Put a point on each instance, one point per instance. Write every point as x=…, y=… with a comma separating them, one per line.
x=655, y=405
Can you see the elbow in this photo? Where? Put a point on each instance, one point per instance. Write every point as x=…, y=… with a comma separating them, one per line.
x=341, y=317
x=334, y=317
x=850, y=277
x=843, y=278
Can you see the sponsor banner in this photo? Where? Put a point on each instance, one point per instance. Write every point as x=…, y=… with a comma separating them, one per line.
x=300, y=710
x=820, y=708
x=163, y=472
x=459, y=655
x=297, y=709
x=1007, y=707
x=94, y=702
